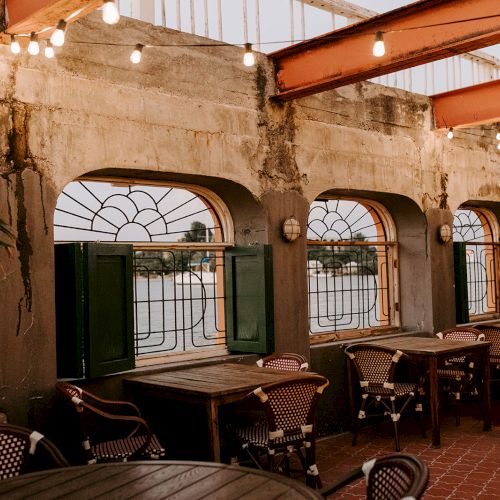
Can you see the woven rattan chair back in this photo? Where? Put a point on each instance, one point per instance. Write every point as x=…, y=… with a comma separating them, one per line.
x=19, y=447
x=375, y=365
x=392, y=477
x=492, y=334
x=461, y=333
x=284, y=361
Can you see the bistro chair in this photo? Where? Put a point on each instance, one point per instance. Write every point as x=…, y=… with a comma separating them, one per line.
x=284, y=361
x=492, y=334
x=110, y=431
x=457, y=375
x=23, y=450
x=392, y=477
x=380, y=393
x=288, y=427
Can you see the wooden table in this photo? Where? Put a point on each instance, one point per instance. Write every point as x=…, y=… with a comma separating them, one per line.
x=433, y=350
x=152, y=480
x=210, y=386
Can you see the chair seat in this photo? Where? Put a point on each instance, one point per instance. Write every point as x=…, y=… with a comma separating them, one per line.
x=121, y=449
x=451, y=373
x=400, y=389
x=258, y=435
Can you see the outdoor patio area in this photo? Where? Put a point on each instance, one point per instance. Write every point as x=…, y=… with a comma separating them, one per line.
x=467, y=466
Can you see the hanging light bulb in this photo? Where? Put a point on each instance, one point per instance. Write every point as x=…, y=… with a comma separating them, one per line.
x=110, y=14
x=49, y=50
x=249, y=57
x=498, y=145
x=498, y=136
x=450, y=134
x=15, y=48
x=33, y=47
x=136, y=55
x=58, y=35
x=378, y=46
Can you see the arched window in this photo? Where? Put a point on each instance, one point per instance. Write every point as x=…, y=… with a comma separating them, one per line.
x=351, y=267
x=476, y=230
x=178, y=235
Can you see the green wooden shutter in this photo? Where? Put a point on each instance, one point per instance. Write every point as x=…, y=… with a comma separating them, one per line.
x=69, y=309
x=110, y=340
x=249, y=299
x=94, y=309
x=461, y=294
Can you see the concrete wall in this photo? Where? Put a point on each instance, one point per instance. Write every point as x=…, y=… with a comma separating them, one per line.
x=197, y=115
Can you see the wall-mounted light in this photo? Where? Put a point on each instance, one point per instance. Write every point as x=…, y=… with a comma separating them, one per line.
x=444, y=234
x=379, y=46
x=249, y=57
x=290, y=229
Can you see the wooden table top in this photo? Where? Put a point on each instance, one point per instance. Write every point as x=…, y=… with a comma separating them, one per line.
x=215, y=380
x=154, y=480
x=429, y=346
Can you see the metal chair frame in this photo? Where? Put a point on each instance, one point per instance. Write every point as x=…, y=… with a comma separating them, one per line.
x=137, y=443
x=19, y=447
x=492, y=334
x=375, y=366
x=391, y=477
x=457, y=376
x=289, y=409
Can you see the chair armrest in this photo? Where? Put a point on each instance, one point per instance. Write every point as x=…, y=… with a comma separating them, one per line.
x=113, y=405
x=340, y=483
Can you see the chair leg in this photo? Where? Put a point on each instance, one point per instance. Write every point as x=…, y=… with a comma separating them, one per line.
x=357, y=423
x=457, y=407
x=394, y=418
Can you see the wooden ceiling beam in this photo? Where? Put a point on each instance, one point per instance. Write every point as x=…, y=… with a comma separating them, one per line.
x=419, y=33
x=467, y=107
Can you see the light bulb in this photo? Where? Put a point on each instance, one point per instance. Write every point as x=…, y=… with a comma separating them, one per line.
x=498, y=133
x=58, y=35
x=33, y=47
x=49, y=50
x=498, y=145
x=378, y=46
x=136, y=55
x=249, y=57
x=450, y=134
x=110, y=14
x=15, y=48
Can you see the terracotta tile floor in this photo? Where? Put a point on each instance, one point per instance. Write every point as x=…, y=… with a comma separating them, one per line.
x=467, y=466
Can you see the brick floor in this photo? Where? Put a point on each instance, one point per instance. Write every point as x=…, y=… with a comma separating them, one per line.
x=467, y=466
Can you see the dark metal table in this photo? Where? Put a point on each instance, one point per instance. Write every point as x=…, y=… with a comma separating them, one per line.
x=154, y=480
x=433, y=350
x=210, y=386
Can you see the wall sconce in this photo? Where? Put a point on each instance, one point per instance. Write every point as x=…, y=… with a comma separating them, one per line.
x=290, y=229
x=444, y=233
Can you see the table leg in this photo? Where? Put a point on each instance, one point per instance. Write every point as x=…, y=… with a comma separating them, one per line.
x=213, y=430
x=485, y=359
x=434, y=400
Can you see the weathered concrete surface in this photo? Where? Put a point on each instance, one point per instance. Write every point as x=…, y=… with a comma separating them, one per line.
x=197, y=115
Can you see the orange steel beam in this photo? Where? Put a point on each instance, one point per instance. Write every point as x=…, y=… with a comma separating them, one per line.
x=467, y=107
x=422, y=32
x=26, y=16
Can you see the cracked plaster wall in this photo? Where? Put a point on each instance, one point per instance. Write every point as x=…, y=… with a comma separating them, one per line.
x=197, y=112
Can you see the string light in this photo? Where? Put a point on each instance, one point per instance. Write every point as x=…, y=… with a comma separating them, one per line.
x=33, y=47
x=110, y=14
x=498, y=136
x=136, y=55
x=379, y=46
x=450, y=134
x=15, y=48
x=249, y=57
x=58, y=36
x=49, y=50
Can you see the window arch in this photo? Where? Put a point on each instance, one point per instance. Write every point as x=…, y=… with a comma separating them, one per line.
x=352, y=282
x=477, y=230
x=179, y=234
